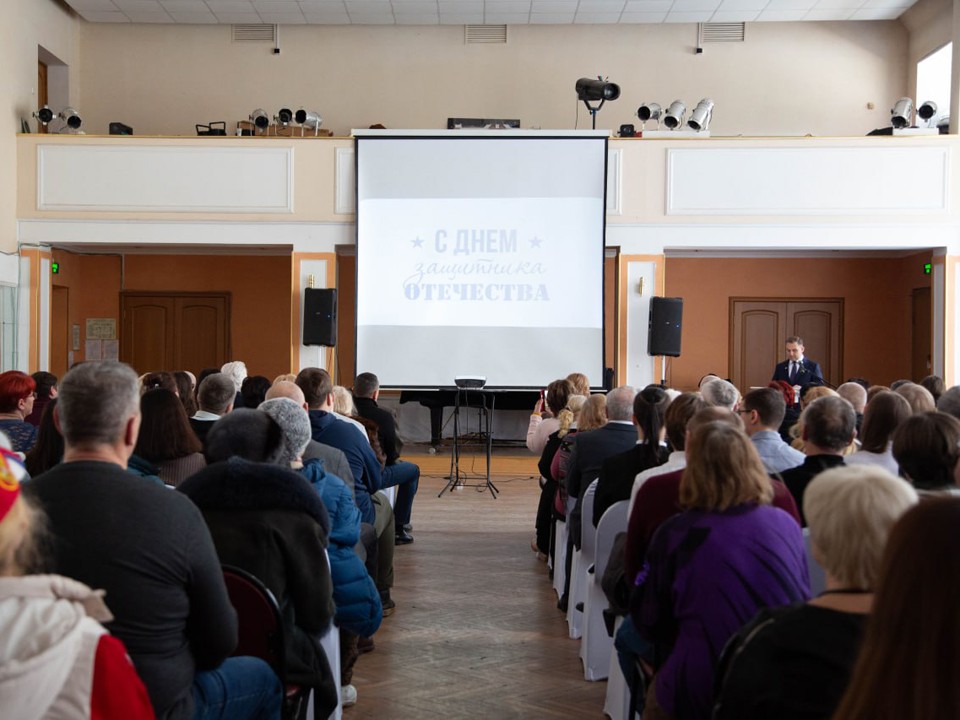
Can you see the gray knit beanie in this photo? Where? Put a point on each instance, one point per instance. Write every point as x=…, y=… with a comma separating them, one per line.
x=295, y=424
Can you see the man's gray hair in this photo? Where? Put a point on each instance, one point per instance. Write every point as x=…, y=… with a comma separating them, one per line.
x=236, y=370
x=95, y=402
x=620, y=403
x=720, y=393
x=949, y=402
x=295, y=424
x=215, y=393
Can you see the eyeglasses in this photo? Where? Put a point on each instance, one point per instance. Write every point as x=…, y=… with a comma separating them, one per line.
x=741, y=411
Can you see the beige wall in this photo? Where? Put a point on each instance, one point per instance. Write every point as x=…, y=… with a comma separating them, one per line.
x=787, y=78
x=929, y=26
x=26, y=24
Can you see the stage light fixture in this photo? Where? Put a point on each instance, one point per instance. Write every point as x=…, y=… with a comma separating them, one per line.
x=901, y=116
x=308, y=119
x=71, y=119
x=590, y=90
x=283, y=117
x=260, y=119
x=928, y=113
x=44, y=115
x=674, y=115
x=701, y=115
x=649, y=111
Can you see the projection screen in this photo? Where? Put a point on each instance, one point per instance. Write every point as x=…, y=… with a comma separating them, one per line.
x=480, y=254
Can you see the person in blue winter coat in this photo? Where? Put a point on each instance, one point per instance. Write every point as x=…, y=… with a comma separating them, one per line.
x=359, y=611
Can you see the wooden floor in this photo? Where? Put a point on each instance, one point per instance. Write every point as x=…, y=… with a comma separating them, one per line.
x=476, y=633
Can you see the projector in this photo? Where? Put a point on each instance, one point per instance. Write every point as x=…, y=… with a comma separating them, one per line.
x=470, y=382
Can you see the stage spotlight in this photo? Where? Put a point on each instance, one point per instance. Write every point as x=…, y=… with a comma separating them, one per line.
x=927, y=112
x=589, y=90
x=71, y=118
x=901, y=116
x=309, y=119
x=283, y=117
x=260, y=119
x=648, y=112
x=674, y=116
x=701, y=115
x=44, y=115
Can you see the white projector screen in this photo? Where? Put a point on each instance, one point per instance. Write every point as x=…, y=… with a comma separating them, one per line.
x=480, y=254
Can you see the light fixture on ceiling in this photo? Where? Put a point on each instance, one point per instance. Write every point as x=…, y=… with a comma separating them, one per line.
x=901, y=116
x=283, y=117
x=647, y=112
x=590, y=90
x=44, y=115
x=308, y=119
x=674, y=115
x=260, y=120
x=701, y=116
x=71, y=119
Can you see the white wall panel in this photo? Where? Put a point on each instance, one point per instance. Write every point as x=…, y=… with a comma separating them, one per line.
x=104, y=178
x=346, y=202
x=640, y=366
x=807, y=181
x=615, y=182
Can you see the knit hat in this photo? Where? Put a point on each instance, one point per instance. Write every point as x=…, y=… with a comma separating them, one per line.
x=9, y=488
x=244, y=433
x=295, y=424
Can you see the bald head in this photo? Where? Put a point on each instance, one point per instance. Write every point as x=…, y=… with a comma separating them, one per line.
x=287, y=389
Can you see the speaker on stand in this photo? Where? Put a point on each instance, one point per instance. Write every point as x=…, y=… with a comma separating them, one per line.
x=320, y=317
x=665, y=330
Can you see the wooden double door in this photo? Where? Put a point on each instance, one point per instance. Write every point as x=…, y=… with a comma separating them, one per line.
x=175, y=331
x=759, y=328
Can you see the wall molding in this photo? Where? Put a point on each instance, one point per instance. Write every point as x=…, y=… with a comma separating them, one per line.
x=346, y=179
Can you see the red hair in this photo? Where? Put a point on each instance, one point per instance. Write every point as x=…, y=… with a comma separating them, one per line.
x=786, y=389
x=14, y=387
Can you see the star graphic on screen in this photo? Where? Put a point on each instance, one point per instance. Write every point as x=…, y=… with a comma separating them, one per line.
x=535, y=241
x=418, y=243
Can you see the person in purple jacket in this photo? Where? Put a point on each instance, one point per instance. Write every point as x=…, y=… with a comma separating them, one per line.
x=711, y=568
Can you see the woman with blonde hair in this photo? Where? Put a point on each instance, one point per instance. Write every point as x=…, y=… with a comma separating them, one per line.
x=793, y=662
x=711, y=568
x=56, y=659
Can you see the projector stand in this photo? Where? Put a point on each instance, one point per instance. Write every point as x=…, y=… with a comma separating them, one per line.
x=458, y=477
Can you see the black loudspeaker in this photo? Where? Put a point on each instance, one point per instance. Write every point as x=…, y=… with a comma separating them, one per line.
x=320, y=317
x=666, y=320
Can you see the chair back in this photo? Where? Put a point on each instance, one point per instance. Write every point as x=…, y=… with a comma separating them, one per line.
x=613, y=522
x=588, y=532
x=259, y=623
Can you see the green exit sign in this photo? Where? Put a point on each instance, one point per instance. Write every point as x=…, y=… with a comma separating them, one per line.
x=55, y=268
x=927, y=268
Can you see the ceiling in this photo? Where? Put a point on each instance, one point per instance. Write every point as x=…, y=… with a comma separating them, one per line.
x=490, y=12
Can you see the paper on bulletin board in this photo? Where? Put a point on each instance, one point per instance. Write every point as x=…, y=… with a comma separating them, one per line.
x=101, y=328
x=111, y=349
x=93, y=350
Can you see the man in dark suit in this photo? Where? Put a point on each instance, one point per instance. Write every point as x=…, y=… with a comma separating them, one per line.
x=796, y=369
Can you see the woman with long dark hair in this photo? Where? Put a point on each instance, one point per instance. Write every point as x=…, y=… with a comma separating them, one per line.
x=166, y=438
x=885, y=413
x=47, y=451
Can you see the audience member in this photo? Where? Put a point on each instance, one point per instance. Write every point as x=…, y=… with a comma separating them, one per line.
x=17, y=395
x=884, y=415
x=762, y=411
x=829, y=426
x=253, y=389
x=934, y=385
x=909, y=658
x=899, y=383
x=593, y=414
x=549, y=502
x=580, y=383
x=793, y=662
x=712, y=567
x=543, y=420
x=374, y=507
x=158, y=380
x=57, y=659
x=187, y=391
x=216, y=397
x=403, y=474
x=46, y=391
x=358, y=608
x=815, y=392
x=285, y=377
x=949, y=402
x=855, y=394
x=117, y=532
x=47, y=451
x=267, y=520
x=679, y=412
x=166, y=439
x=236, y=370
x=925, y=447
x=874, y=389
x=720, y=393
x=618, y=472
x=792, y=403
x=920, y=399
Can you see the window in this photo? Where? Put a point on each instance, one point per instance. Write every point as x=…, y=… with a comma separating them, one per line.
x=933, y=79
